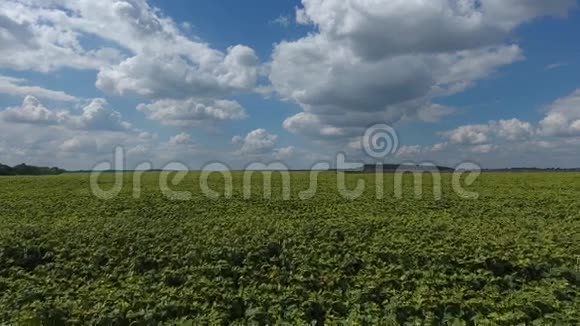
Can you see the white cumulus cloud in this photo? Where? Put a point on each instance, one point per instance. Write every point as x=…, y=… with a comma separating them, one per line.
x=386, y=60
x=97, y=115
x=563, y=117
x=147, y=53
x=180, y=139
x=16, y=87
x=190, y=112
x=257, y=142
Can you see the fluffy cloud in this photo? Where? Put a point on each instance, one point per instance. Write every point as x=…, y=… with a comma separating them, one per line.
x=341, y=91
x=285, y=153
x=563, y=117
x=376, y=29
x=556, y=135
x=409, y=150
x=97, y=115
x=168, y=75
x=368, y=61
x=414, y=150
x=507, y=130
x=439, y=147
x=365, y=62
x=79, y=144
x=310, y=125
x=33, y=38
x=469, y=135
x=188, y=113
x=434, y=112
x=513, y=130
x=33, y=112
x=461, y=69
x=151, y=56
x=135, y=50
x=483, y=149
x=324, y=76
x=180, y=139
x=37, y=134
x=256, y=142
x=14, y=87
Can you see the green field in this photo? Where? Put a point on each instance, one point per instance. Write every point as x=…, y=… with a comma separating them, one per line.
x=509, y=257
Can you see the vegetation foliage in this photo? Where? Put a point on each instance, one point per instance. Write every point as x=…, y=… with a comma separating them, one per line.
x=507, y=258
x=23, y=169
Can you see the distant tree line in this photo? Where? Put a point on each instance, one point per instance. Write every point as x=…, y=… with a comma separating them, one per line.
x=23, y=169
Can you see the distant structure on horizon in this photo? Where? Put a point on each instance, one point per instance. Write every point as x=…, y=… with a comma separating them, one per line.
x=391, y=168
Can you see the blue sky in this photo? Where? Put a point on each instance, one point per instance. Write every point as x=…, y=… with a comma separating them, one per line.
x=199, y=81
